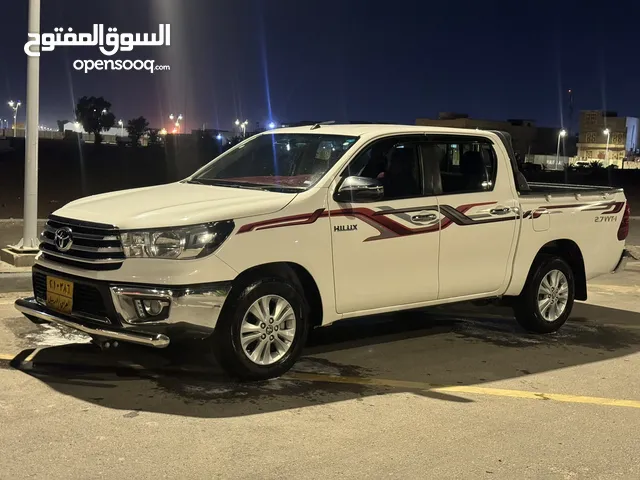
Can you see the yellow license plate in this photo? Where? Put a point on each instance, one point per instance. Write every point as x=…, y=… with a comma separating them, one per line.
x=59, y=295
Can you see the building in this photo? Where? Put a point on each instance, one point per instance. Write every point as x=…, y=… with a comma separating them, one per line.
x=116, y=131
x=527, y=138
x=623, y=137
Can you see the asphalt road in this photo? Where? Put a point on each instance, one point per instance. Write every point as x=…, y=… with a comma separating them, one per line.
x=449, y=393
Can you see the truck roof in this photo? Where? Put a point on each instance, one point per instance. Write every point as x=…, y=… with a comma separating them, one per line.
x=372, y=129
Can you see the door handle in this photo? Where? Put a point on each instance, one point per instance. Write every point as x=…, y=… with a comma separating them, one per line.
x=500, y=211
x=426, y=217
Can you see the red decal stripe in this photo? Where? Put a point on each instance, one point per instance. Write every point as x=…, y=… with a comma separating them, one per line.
x=387, y=227
x=303, y=219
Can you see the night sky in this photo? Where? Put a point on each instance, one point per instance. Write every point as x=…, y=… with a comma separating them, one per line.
x=291, y=60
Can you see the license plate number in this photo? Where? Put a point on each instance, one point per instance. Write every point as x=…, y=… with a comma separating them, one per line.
x=59, y=295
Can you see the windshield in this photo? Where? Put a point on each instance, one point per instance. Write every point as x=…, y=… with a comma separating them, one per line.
x=284, y=162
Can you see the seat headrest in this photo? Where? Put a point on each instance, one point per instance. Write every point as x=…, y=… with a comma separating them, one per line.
x=402, y=156
x=472, y=163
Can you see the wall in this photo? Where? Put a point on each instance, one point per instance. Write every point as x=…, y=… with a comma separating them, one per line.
x=526, y=138
x=592, y=144
x=550, y=162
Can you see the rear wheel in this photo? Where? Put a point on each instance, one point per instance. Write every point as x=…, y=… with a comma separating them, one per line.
x=547, y=298
x=261, y=334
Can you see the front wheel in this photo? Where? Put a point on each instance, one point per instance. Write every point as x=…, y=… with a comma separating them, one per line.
x=261, y=334
x=547, y=298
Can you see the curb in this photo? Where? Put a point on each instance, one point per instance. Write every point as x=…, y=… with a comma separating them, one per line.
x=40, y=220
x=15, y=282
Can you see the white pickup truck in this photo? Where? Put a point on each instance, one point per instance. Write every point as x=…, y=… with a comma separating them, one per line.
x=300, y=227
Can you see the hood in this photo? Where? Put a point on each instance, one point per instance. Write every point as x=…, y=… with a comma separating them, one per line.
x=174, y=205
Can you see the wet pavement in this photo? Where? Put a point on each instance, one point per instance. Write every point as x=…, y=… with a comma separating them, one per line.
x=456, y=392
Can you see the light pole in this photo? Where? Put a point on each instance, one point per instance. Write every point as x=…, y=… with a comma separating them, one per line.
x=172, y=117
x=15, y=106
x=561, y=134
x=121, y=123
x=607, y=132
x=243, y=126
x=30, y=241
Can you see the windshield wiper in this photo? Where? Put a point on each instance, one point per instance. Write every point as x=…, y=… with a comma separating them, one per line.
x=282, y=189
x=218, y=183
x=249, y=186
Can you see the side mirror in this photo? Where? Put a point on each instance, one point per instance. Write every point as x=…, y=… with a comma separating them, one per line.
x=359, y=189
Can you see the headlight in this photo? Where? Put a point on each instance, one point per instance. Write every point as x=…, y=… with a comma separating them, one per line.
x=176, y=243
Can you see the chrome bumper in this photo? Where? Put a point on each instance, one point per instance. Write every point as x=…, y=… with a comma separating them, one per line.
x=29, y=306
x=624, y=258
x=197, y=307
x=186, y=311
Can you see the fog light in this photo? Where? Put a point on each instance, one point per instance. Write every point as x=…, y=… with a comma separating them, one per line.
x=153, y=307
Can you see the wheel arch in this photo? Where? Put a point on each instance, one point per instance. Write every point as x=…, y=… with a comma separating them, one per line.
x=570, y=252
x=292, y=272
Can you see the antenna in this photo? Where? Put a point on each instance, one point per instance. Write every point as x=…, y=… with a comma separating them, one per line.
x=328, y=122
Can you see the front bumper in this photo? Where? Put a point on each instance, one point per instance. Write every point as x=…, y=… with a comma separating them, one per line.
x=31, y=307
x=114, y=310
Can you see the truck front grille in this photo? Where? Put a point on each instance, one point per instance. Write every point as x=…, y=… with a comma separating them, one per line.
x=90, y=246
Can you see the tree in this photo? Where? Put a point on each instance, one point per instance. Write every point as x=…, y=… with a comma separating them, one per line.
x=61, y=124
x=155, y=138
x=136, y=128
x=596, y=165
x=94, y=115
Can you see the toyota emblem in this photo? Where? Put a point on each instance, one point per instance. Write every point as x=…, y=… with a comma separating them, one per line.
x=63, y=239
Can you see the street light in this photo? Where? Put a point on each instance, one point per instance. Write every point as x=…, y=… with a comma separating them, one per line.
x=121, y=123
x=607, y=132
x=272, y=125
x=561, y=134
x=243, y=126
x=172, y=117
x=15, y=106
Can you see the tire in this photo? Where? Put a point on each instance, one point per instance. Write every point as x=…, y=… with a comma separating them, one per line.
x=532, y=311
x=238, y=321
